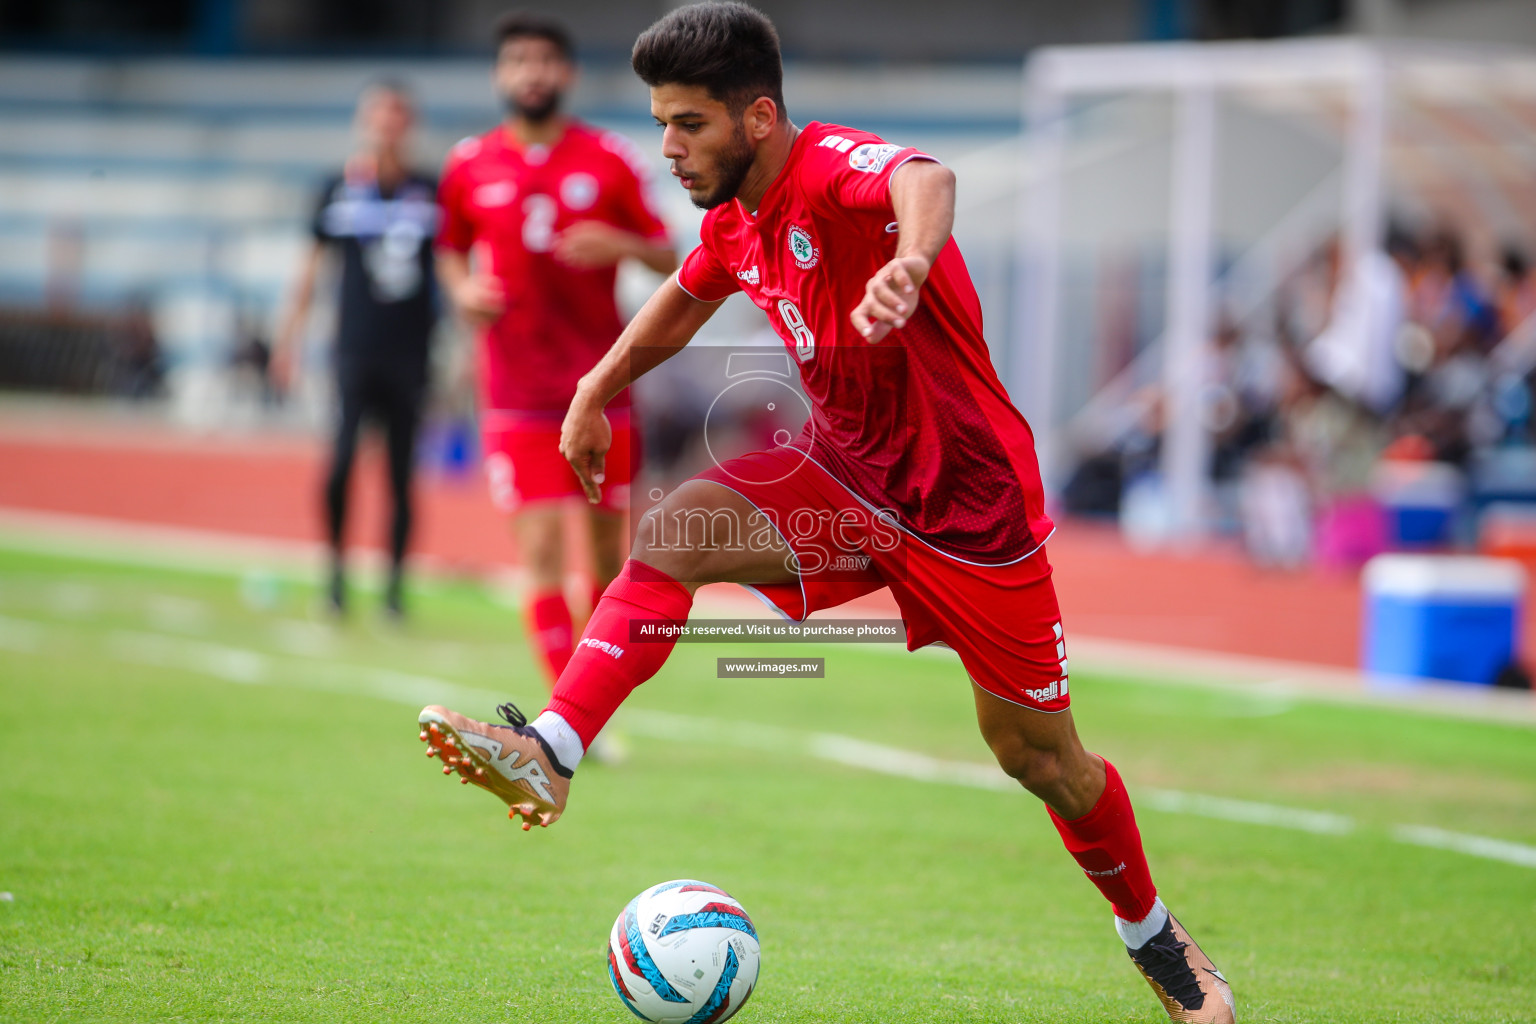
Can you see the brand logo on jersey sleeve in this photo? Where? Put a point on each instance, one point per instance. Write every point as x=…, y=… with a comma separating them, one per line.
x=578, y=191
x=750, y=275
x=802, y=248
x=872, y=157
x=493, y=194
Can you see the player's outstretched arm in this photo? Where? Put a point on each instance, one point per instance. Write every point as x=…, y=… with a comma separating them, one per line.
x=923, y=195
x=289, y=342
x=590, y=243
x=666, y=323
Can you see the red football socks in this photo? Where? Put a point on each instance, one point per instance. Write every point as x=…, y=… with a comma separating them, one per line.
x=1107, y=845
x=607, y=664
x=549, y=630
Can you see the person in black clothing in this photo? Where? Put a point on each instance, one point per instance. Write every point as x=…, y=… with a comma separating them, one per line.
x=378, y=217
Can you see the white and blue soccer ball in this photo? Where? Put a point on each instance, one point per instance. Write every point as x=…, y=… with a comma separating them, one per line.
x=683, y=952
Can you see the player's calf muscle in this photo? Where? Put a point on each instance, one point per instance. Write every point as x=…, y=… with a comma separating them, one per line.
x=1042, y=752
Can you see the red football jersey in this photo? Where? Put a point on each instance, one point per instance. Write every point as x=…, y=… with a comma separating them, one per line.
x=918, y=424
x=509, y=203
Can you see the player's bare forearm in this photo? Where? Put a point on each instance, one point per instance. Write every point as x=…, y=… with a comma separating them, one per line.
x=923, y=197
x=452, y=269
x=667, y=322
x=589, y=244
x=290, y=332
x=477, y=297
x=662, y=327
x=659, y=256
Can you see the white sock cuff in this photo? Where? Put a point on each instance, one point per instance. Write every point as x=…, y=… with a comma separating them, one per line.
x=1136, y=934
x=562, y=739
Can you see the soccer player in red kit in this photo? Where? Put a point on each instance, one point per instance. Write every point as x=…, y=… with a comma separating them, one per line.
x=537, y=214
x=913, y=458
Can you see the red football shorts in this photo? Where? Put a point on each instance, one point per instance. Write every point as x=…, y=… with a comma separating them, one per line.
x=1003, y=620
x=523, y=463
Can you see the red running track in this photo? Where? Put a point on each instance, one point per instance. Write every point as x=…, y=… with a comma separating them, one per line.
x=269, y=487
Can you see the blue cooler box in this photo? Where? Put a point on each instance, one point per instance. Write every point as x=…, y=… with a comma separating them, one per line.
x=1421, y=499
x=1441, y=617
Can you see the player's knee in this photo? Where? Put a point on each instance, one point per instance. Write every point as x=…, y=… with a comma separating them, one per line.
x=1038, y=770
x=546, y=570
x=680, y=563
x=543, y=558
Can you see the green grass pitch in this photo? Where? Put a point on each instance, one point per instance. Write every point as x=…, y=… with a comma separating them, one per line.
x=215, y=809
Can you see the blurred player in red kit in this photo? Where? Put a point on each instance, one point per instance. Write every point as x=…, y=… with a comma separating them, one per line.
x=537, y=214
x=913, y=458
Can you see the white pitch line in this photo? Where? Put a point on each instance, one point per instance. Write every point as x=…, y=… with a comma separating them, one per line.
x=231, y=554
x=174, y=614
x=1462, y=842
x=905, y=763
x=231, y=664
x=245, y=666
x=1249, y=812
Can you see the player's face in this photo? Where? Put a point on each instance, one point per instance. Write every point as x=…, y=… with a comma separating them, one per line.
x=384, y=119
x=711, y=151
x=532, y=77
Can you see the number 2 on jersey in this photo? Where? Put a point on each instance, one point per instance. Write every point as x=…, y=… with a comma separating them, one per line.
x=539, y=212
x=805, y=341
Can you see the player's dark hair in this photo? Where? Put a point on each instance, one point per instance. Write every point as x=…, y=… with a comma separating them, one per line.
x=527, y=25
x=730, y=49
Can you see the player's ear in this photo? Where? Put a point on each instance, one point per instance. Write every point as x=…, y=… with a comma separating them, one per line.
x=762, y=116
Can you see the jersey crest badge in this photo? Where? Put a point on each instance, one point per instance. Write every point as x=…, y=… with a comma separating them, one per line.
x=802, y=248
x=578, y=191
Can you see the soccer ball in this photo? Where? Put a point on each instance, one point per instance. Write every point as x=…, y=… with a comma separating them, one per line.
x=681, y=952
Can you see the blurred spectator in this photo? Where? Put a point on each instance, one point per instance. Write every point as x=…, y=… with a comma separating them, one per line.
x=379, y=217
x=1399, y=355
x=1448, y=301
x=1515, y=296
x=1356, y=353
x=140, y=366
x=251, y=357
x=1243, y=393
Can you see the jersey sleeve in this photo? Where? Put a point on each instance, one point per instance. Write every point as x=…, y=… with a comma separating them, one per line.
x=851, y=170
x=455, y=231
x=632, y=206
x=703, y=276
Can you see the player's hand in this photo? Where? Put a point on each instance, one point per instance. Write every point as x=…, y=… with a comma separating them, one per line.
x=585, y=438
x=589, y=244
x=480, y=299
x=890, y=298
x=283, y=368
